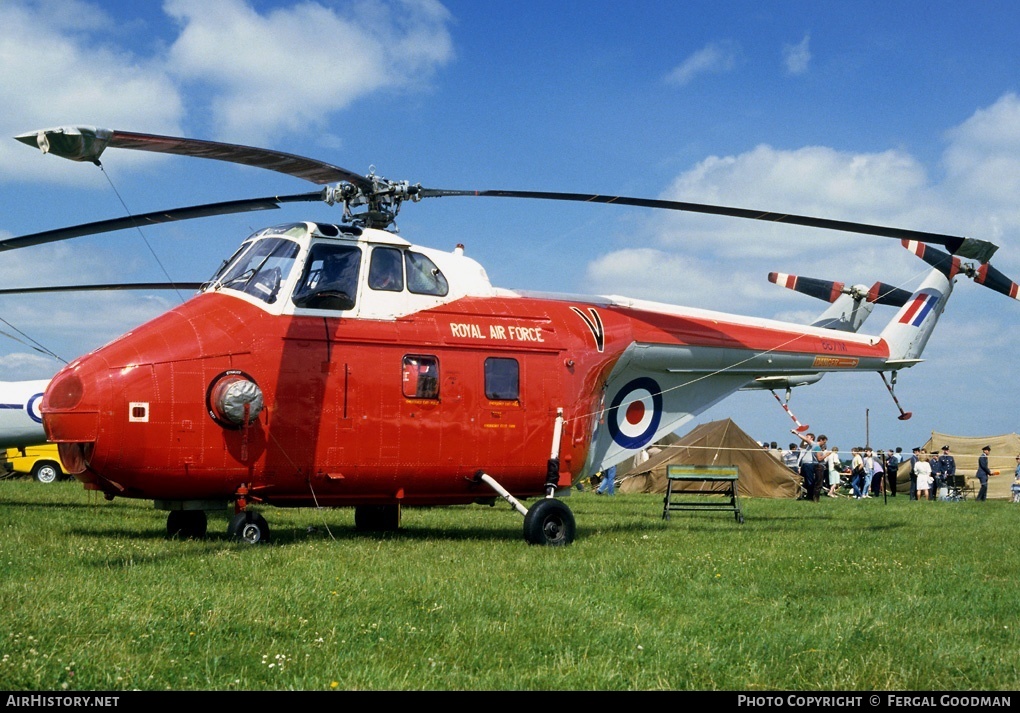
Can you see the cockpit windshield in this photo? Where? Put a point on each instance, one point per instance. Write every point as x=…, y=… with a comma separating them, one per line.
x=260, y=269
x=330, y=277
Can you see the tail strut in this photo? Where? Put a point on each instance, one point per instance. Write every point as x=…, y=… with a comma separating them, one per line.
x=904, y=415
x=800, y=427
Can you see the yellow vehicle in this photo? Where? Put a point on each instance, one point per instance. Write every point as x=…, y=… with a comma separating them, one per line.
x=41, y=462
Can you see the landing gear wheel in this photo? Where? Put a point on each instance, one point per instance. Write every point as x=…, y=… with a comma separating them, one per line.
x=46, y=472
x=377, y=518
x=186, y=524
x=549, y=522
x=249, y=527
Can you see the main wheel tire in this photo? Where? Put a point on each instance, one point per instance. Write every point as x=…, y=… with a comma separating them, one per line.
x=249, y=527
x=46, y=471
x=186, y=524
x=549, y=522
x=377, y=518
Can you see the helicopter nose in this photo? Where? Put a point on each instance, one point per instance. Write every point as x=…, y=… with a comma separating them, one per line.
x=71, y=418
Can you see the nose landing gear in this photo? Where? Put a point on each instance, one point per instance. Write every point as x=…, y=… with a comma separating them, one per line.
x=250, y=527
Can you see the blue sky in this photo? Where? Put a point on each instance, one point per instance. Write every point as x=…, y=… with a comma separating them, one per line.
x=897, y=113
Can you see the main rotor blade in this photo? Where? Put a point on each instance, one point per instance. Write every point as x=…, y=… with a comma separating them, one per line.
x=87, y=143
x=102, y=288
x=155, y=218
x=979, y=250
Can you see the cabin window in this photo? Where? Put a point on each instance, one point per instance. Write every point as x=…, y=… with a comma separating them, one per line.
x=386, y=272
x=421, y=377
x=330, y=277
x=423, y=277
x=502, y=379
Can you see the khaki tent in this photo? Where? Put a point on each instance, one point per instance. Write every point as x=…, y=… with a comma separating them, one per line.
x=965, y=450
x=717, y=443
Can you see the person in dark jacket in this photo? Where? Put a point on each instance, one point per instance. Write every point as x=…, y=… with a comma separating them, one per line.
x=947, y=468
x=892, y=465
x=983, y=473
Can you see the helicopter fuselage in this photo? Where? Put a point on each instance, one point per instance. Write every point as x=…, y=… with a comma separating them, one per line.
x=280, y=384
x=390, y=409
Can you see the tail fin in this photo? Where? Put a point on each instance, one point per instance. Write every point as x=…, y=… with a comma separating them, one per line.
x=908, y=332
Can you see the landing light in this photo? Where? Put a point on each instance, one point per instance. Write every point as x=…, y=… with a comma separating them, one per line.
x=65, y=392
x=234, y=399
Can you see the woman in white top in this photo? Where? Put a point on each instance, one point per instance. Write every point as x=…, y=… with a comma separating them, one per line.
x=922, y=468
x=835, y=474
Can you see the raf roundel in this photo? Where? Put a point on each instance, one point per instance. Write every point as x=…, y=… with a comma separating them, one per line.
x=635, y=412
x=32, y=408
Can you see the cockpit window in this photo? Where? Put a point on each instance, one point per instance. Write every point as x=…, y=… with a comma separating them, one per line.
x=386, y=271
x=330, y=277
x=423, y=277
x=261, y=269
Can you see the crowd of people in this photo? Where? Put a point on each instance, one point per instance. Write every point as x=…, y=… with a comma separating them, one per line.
x=822, y=469
x=871, y=473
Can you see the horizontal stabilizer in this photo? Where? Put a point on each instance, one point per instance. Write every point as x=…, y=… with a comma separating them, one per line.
x=781, y=382
x=894, y=364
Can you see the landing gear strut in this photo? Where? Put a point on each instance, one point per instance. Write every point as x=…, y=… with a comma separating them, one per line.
x=548, y=522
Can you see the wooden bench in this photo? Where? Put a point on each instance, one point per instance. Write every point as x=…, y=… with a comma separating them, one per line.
x=717, y=480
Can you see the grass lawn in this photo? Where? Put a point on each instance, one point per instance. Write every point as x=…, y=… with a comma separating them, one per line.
x=838, y=595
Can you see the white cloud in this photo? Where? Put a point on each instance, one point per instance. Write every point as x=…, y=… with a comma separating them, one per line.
x=797, y=57
x=57, y=70
x=674, y=278
x=722, y=263
x=982, y=166
x=714, y=58
x=294, y=66
x=245, y=74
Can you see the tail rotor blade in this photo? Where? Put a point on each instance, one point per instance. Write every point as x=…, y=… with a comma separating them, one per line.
x=945, y=263
x=994, y=280
x=826, y=290
x=882, y=293
x=950, y=266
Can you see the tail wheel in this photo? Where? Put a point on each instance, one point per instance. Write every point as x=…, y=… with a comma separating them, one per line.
x=186, y=524
x=549, y=522
x=249, y=527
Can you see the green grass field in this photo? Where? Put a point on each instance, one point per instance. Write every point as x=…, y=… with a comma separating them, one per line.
x=838, y=595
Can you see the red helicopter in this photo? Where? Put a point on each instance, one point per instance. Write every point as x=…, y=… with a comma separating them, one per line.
x=338, y=365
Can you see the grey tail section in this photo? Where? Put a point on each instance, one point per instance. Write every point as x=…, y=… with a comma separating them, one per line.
x=847, y=313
